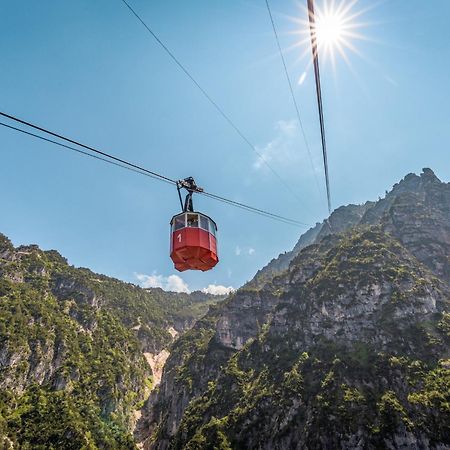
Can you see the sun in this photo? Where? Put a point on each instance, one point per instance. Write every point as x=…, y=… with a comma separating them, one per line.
x=337, y=28
x=330, y=29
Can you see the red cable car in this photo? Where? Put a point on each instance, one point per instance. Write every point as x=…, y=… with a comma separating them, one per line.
x=193, y=242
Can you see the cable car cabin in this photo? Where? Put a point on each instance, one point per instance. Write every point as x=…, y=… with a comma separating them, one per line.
x=193, y=243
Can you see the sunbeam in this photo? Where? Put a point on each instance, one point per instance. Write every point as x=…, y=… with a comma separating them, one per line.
x=337, y=28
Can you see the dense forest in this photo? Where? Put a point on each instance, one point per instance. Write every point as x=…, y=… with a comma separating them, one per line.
x=72, y=345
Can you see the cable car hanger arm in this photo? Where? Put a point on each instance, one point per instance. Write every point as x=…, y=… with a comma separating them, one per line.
x=191, y=186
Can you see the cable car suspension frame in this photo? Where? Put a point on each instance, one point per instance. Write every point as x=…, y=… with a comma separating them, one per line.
x=191, y=186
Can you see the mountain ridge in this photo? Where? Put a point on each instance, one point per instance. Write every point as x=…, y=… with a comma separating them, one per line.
x=228, y=382
x=76, y=350
x=342, y=218
x=344, y=342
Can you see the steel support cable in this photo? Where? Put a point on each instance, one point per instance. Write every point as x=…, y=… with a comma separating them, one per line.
x=100, y=158
x=315, y=56
x=294, y=101
x=133, y=167
x=212, y=101
x=255, y=210
x=119, y=160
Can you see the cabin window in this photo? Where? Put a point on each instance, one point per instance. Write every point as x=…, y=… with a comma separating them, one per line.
x=212, y=227
x=192, y=220
x=179, y=223
x=204, y=223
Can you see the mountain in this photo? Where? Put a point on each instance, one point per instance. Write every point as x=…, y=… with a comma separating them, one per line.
x=79, y=352
x=342, y=219
x=342, y=343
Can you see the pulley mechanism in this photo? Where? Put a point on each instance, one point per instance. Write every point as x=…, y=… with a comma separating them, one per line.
x=191, y=186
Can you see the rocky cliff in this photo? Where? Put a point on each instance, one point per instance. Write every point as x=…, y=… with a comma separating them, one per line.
x=75, y=349
x=344, y=343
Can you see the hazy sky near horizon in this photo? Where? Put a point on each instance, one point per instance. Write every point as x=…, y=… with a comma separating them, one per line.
x=89, y=70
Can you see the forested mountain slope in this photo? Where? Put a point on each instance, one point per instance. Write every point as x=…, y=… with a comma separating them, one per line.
x=346, y=347
x=72, y=346
x=345, y=217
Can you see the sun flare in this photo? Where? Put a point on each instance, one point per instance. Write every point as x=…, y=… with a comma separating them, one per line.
x=336, y=29
x=330, y=29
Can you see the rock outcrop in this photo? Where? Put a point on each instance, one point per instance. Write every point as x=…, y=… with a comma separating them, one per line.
x=342, y=343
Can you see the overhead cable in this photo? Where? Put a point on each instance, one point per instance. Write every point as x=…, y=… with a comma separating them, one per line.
x=254, y=210
x=111, y=159
x=212, y=101
x=294, y=101
x=315, y=56
x=99, y=152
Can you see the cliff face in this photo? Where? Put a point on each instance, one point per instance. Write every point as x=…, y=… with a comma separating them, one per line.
x=346, y=348
x=345, y=217
x=72, y=347
x=340, y=220
x=420, y=220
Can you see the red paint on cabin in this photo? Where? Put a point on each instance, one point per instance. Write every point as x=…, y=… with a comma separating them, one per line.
x=193, y=247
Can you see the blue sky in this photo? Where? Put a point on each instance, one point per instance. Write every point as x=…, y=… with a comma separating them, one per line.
x=90, y=70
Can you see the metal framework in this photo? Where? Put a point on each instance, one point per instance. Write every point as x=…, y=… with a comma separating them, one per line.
x=191, y=186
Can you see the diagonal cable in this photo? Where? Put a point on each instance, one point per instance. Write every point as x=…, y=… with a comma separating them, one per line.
x=110, y=159
x=297, y=109
x=85, y=153
x=315, y=56
x=87, y=147
x=212, y=101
